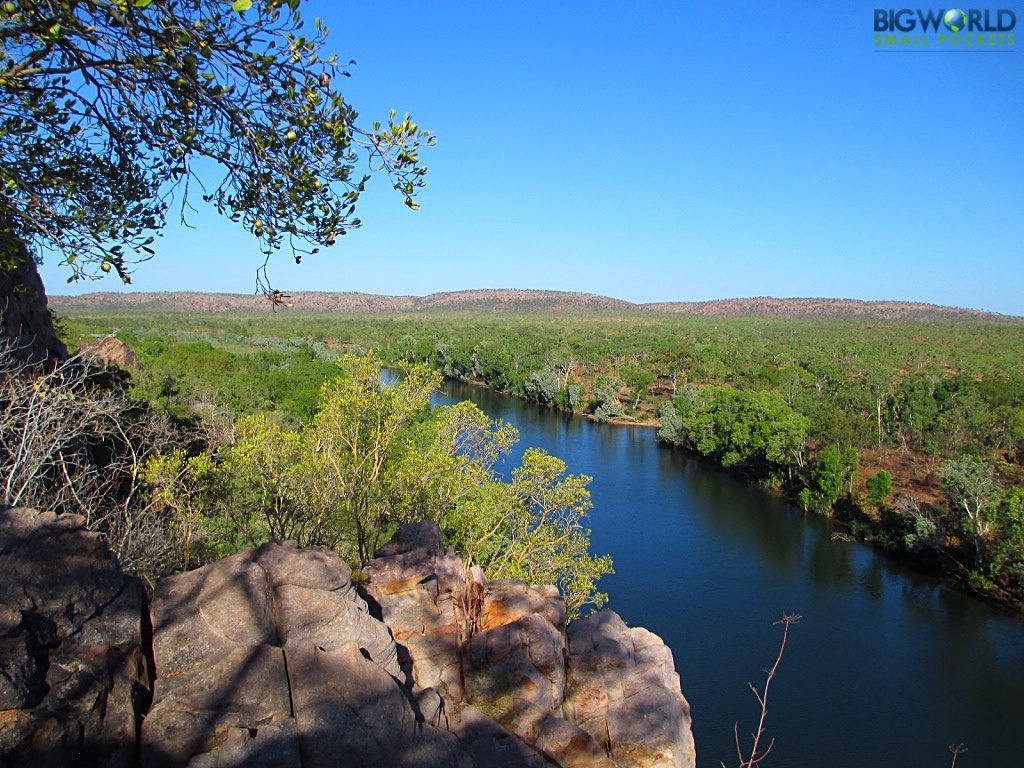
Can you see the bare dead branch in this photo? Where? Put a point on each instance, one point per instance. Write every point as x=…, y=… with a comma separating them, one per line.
x=72, y=443
x=756, y=753
x=957, y=750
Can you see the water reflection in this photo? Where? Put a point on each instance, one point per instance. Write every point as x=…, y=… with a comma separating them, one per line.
x=829, y=562
x=870, y=576
x=743, y=515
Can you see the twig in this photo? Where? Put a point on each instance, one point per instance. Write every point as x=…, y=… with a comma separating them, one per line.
x=957, y=750
x=756, y=753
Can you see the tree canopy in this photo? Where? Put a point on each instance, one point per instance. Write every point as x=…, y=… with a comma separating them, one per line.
x=115, y=114
x=374, y=457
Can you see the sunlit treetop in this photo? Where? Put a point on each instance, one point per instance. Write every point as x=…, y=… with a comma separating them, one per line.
x=116, y=114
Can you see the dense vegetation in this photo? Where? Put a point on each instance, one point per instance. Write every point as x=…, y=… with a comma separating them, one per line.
x=372, y=457
x=911, y=433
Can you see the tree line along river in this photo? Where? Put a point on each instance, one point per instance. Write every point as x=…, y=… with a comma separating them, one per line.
x=888, y=666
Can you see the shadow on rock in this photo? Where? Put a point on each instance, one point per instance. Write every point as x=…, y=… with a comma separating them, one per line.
x=272, y=658
x=73, y=676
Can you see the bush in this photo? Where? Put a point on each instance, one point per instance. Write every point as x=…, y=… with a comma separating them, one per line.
x=71, y=441
x=879, y=488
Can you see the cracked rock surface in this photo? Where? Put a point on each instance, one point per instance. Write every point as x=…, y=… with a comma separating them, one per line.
x=73, y=675
x=272, y=658
x=269, y=657
x=503, y=663
x=622, y=689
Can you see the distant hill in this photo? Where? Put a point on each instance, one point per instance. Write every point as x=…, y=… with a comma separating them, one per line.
x=766, y=306
x=516, y=301
x=496, y=301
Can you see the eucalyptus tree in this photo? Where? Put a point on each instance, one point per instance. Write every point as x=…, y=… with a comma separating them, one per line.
x=973, y=490
x=353, y=436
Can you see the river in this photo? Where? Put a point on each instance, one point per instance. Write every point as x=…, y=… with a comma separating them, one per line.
x=888, y=666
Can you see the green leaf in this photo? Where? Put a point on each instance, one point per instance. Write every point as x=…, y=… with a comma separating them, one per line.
x=142, y=3
x=241, y=5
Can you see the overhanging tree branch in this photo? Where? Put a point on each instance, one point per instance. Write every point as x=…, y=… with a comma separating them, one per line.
x=105, y=103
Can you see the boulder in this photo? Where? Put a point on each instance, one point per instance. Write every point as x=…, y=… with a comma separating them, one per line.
x=73, y=675
x=622, y=689
x=110, y=350
x=490, y=745
x=270, y=657
x=513, y=681
x=516, y=673
x=347, y=705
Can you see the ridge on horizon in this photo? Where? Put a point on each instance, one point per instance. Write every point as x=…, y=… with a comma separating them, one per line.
x=511, y=300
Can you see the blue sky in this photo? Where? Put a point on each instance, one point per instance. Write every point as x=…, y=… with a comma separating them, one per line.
x=657, y=151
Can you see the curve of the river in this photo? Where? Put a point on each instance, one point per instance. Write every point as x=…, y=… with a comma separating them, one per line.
x=888, y=667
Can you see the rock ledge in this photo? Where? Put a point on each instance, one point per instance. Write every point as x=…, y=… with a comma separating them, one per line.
x=271, y=657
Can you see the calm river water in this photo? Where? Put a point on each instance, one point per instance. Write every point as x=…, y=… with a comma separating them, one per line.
x=888, y=667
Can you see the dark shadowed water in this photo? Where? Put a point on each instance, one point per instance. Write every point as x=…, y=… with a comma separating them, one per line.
x=888, y=667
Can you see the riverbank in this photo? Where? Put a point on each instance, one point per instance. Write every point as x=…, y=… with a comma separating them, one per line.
x=884, y=529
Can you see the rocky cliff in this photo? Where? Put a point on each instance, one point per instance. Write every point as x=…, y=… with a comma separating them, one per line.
x=481, y=654
x=272, y=657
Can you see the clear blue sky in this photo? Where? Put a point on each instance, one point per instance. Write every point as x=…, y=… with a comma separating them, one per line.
x=657, y=151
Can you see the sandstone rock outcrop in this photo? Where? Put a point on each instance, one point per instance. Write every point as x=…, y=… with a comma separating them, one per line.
x=620, y=687
x=272, y=658
x=269, y=657
x=73, y=675
x=598, y=694
x=110, y=351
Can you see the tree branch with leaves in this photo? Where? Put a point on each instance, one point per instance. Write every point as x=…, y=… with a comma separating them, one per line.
x=113, y=113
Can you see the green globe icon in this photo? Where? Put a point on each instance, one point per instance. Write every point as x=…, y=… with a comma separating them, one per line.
x=955, y=20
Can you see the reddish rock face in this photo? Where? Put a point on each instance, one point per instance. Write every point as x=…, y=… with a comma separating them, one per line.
x=598, y=695
x=110, y=351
